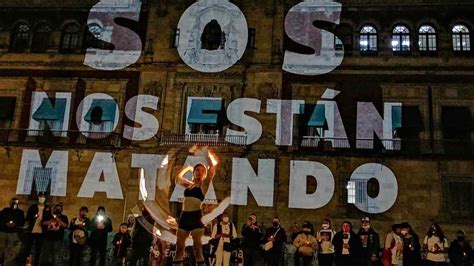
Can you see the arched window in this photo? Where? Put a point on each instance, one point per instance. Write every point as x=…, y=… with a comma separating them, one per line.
x=20, y=37
x=401, y=39
x=213, y=37
x=92, y=35
x=461, y=38
x=368, y=39
x=95, y=30
x=427, y=39
x=41, y=39
x=338, y=44
x=70, y=39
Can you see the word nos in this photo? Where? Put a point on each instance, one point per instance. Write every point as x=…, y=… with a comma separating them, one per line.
x=155, y=173
x=324, y=115
x=212, y=36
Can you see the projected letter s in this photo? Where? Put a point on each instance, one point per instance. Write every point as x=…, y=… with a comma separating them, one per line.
x=127, y=44
x=299, y=27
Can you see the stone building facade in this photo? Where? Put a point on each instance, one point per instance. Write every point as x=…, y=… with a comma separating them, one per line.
x=42, y=49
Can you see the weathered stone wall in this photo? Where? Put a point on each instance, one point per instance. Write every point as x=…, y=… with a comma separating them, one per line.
x=160, y=72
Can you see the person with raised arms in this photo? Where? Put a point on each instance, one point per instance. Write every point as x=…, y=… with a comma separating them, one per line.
x=190, y=220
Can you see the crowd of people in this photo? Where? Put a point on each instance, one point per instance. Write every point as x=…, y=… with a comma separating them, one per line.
x=46, y=226
x=325, y=246
x=36, y=239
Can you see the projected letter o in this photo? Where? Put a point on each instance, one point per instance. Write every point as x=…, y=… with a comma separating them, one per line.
x=388, y=185
x=192, y=47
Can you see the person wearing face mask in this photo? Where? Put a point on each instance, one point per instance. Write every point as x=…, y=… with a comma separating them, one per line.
x=252, y=234
x=436, y=246
x=306, y=245
x=411, y=246
x=53, y=227
x=370, y=243
x=11, y=220
x=78, y=236
x=347, y=246
x=393, y=247
x=34, y=218
x=100, y=227
x=224, y=233
x=325, y=235
x=460, y=251
x=275, y=239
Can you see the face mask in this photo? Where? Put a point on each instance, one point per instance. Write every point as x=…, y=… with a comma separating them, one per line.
x=326, y=226
x=225, y=219
x=41, y=200
x=276, y=224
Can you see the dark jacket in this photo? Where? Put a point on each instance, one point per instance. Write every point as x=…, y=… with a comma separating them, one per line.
x=53, y=231
x=251, y=238
x=31, y=215
x=99, y=236
x=142, y=238
x=412, y=251
x=280, y=239
x=370, y=243
x=460, y=254
x=355, y=247
x=121, y=244
x=8, y=215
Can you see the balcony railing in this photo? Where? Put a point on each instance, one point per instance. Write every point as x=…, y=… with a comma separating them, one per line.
x=314, y=141
x=386, y=146
x=96, y=140
x=202, y=139
x=66, y=139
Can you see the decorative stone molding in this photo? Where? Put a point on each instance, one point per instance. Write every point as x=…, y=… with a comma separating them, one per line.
x=267, y=91
x=215, y=76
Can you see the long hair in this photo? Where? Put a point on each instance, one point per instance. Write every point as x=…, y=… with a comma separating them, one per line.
x=439, y=231
x=410, y=229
